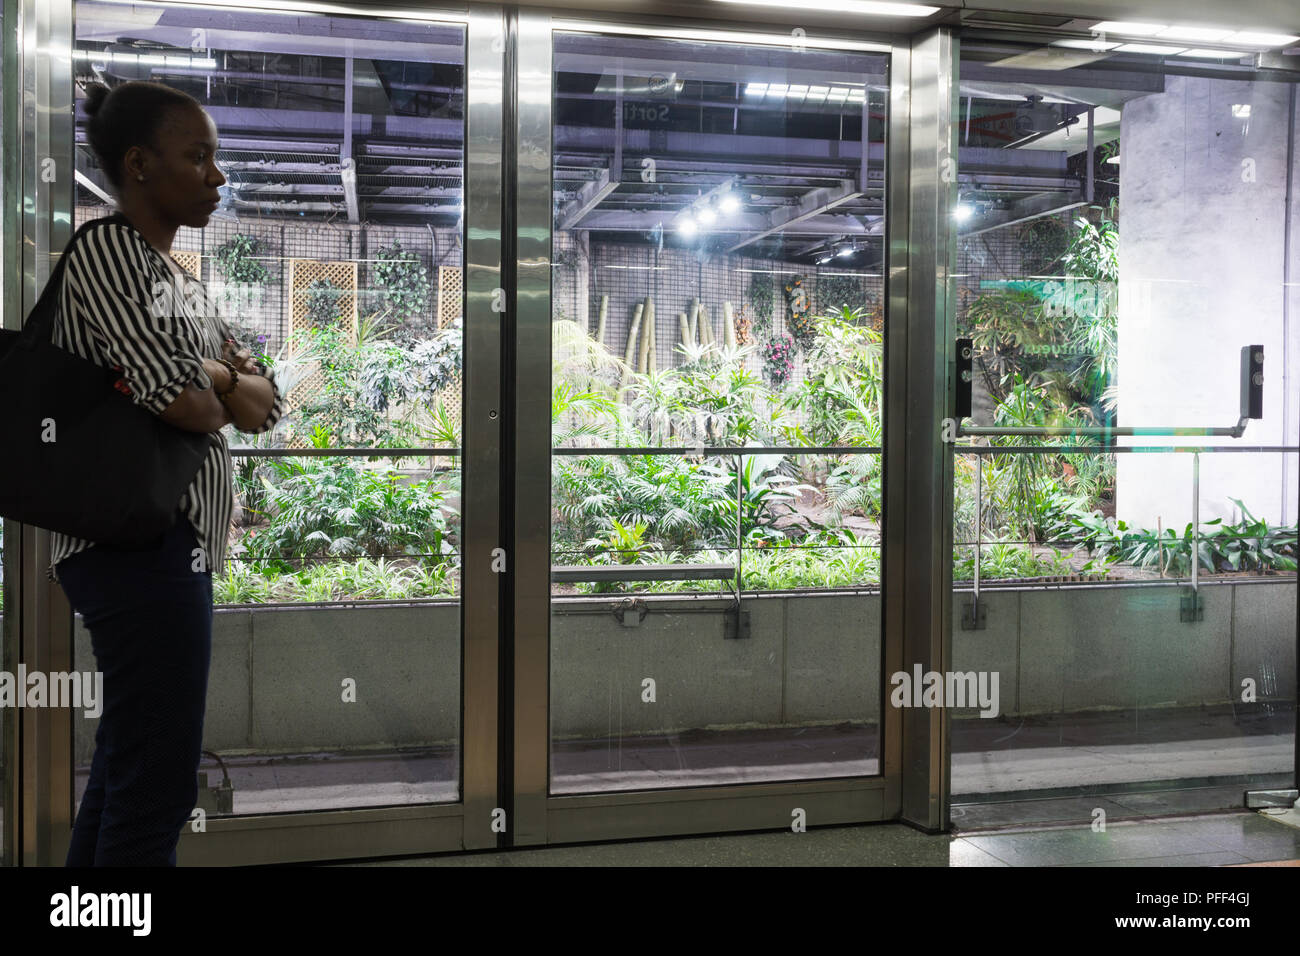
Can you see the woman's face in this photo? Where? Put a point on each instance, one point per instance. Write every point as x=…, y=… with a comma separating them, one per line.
x=181, y=178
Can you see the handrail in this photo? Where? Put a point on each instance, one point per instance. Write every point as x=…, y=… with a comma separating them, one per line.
x=642, y=572
x=1099, y=431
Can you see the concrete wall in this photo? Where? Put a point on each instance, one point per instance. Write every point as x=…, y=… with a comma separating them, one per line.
x=1204, y=223
x=276, y=679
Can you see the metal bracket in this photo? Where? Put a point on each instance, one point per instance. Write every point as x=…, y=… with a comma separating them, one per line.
x=1255, y=799
x=220, y=799
x=735, y=623
x=631, y=604
x=1191, y=606
x=974, y=615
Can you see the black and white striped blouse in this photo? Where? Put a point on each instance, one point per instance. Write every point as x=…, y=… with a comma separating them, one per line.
x=112, y=311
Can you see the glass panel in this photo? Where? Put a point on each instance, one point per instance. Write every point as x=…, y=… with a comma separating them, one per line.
x=1125, y=227
x=4, y=657
x=337, y=256
x=717, y=285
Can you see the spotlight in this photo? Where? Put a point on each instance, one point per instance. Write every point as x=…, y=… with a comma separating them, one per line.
x=963, y=212
x=706, y=215
x=825, y=259
x=730, y=203
x=844, y=250
x=687, y=227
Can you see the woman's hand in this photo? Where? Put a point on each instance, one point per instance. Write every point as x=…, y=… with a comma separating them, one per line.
x=219, y=374
x=242, y=359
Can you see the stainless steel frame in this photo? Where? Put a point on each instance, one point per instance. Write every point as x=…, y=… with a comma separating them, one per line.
x=10, y=293
x=505, y=632
x=609, y=816
x=38, y=798
x=918, y=466
x=44, y=618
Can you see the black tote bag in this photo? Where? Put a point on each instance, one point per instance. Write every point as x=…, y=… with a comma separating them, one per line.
x=80, y=457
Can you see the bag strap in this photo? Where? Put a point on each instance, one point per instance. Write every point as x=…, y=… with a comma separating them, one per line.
x=39, y=326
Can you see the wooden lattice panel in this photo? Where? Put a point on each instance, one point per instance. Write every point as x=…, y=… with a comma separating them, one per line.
x=190, y=260
x=450, y=288
x=302, y=273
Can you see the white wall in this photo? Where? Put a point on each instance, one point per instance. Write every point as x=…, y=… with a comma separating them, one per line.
x=1201, y=260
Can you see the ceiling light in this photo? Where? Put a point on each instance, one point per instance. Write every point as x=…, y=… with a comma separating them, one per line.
x=963, y=211
x=687, y=227
x=869, y=8
x=800, y=91
x=1241, y=110
x=1205, y=34
x=755, y=89
x=1095, y=46
x=729, y=203
x=777, y=89
x=1130, y=29
x=1262, y=39
x=1149, y=48
x=706, y=215
x=844, y=250
x=825, y=259
x=1214, y=54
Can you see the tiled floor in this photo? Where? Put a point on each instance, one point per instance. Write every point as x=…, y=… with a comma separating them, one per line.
x=1222, y=839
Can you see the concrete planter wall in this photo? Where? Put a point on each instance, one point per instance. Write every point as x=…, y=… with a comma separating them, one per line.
x=277, y=675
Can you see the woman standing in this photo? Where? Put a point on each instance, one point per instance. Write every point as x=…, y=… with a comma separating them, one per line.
x=149, y=612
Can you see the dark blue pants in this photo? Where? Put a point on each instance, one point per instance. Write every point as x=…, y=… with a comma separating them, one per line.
x=150, y=620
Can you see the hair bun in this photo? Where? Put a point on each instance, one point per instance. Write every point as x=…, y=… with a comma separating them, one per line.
x=96, y=93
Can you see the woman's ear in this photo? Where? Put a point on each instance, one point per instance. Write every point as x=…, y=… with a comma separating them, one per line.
x=136, y=164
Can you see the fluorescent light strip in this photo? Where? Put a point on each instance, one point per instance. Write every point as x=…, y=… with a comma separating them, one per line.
x=1096, y=46
x=1149, y=48
x=1215, y=54
x=1201, y=34
x=872, y=8
x=1245, y=38
x=1130, y=29
x=601, y=28
x=830, y=93
x=149, y=59
x=326, y=9
x=1210, y=34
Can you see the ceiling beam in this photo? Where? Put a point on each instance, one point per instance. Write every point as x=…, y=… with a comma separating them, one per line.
x=813, y=203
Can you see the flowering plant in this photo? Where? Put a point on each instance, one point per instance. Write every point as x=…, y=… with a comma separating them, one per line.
x=800, y=322
x=778, y=360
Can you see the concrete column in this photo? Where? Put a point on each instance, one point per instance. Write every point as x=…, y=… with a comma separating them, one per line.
x=1203, y=271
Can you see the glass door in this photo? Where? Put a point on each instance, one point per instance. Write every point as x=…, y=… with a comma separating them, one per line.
x=698, y=640
x=1126, y=479
x=352, y=693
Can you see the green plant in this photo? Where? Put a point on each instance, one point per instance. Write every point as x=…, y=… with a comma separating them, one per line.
x=1042, y=244
x=403, y=283
x=836, y=291
x=762, y=297
x=338, y=507
x=1005, y=559
x=239, y=259
x=323, y=302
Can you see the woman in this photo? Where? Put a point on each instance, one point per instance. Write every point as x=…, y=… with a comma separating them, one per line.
x=149, y=612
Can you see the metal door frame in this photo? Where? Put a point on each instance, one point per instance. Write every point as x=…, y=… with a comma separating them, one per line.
x=505, y=617
x=39, y=629
x=912, y=783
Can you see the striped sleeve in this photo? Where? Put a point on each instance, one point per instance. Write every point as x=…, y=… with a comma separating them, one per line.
x=131, y=317
x=277, y=406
